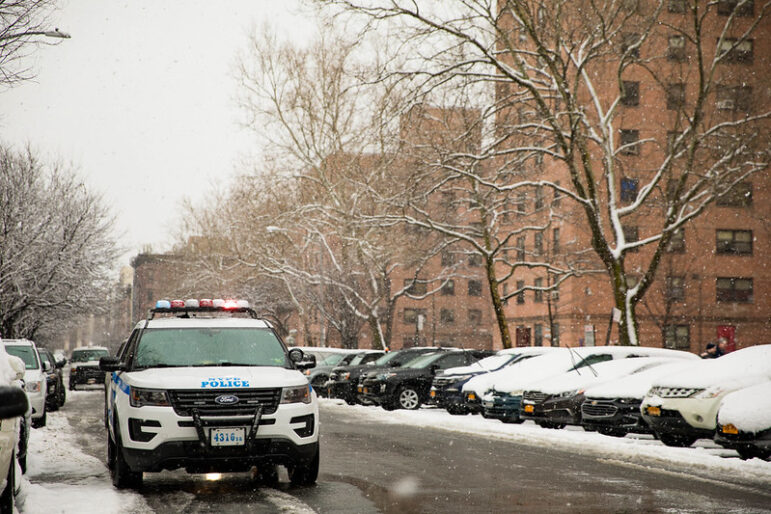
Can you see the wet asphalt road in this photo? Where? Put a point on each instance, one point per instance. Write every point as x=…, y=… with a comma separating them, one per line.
x=402, y=469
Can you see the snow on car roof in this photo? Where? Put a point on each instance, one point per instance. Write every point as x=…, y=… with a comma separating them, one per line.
x=747, y=409
x=739, y=368
x=202, y=322
x=637, y=385
x=19, y=342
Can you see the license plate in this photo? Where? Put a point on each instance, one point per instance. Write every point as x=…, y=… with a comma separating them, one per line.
x=529, y=408
x=228, y=436
x=382, y=388
x=729, y=429
x=433, y=393
x=653, y=411
x=366, y=390
x=360, y=389
x=91, y=381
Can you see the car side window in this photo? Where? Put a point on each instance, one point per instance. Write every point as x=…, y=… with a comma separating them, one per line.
x=451, y=361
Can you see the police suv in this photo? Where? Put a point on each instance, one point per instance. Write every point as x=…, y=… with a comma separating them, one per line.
x=207, y=386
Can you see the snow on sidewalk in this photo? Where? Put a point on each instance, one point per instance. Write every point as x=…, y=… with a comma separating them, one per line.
x=61, y=478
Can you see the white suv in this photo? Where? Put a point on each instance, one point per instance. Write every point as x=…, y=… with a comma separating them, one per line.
x=206, y=386
x=13, y=405
x=35, y=380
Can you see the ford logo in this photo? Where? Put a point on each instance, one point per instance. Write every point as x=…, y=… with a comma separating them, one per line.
x=226, y=399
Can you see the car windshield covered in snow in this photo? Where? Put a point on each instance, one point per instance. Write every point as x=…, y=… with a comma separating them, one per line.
x=25, y=353
x=202, y=346
x=88, y=355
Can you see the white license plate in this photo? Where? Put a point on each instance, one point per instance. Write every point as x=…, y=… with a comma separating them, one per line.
x=227, y=436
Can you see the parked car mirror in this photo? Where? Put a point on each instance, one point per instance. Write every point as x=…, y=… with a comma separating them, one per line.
x=61, y=363
x=110, y=364
x=301, y=360
x=13, y=402
x=47, y=367
x=18, y=366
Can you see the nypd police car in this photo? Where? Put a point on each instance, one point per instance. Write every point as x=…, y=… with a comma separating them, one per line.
x=208, y=387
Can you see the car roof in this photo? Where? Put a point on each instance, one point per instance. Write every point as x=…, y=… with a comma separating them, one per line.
x=204, y=322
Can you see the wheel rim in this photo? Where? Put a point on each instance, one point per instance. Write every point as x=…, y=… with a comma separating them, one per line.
x=408, y=399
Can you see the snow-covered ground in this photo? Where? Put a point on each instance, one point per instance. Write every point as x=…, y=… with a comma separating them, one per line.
x=705, y=458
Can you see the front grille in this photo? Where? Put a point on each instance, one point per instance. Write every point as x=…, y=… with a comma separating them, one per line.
x=599, y=410
x=674, y=392
x=535, y=396
x=184, y=401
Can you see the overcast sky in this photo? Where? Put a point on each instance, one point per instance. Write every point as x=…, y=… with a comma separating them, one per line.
x=142, y=101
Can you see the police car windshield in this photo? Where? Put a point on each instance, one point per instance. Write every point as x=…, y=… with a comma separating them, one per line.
x=181, y=347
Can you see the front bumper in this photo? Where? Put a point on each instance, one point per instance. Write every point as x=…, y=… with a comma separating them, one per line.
x=617, y=412
x=553, y=409
x=374, y=390
x=505, y=408
x=344, y=390
x=86, y=375
x=682, y=416
x=757, y=443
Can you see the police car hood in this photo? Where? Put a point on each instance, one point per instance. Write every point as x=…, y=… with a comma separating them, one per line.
x=217, y=377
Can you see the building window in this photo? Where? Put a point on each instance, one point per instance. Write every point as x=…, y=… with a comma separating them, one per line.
x=631, y=235
x=675, y=289
x=676, y=48
x=629, y=46
x=733, y=98
x=474, y=260
x=629, y=139
x=739, y=196
x=475, y=288
x=734, y=242
x=448, y=289
x=675, y=96
x=734, y=289
x=555, y=241
x=734, y=51
x=521, y=249
x=538, y=245
x=474, y=317
x=521, y=289
x=538, y=197
x=677, y=337
x=537, y=334
x=521, y=205
x=677, y=241
x=726, y=7
x=415, y=287
x=448, y=258
x=630, y=93
x=447, y=316
x=538, y=292
x=411, y=315
x=676, y=6
x=629, y=189
x=555, y=334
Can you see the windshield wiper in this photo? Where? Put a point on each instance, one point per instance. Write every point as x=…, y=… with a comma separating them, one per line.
x=218, y=364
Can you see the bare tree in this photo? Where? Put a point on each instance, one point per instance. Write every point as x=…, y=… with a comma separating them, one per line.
x=56, y=251
x=564, y=73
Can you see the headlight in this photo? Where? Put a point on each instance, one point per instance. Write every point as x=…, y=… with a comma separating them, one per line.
x=148, y=397
x=385, y=376
x=33, y=387
x=301, y=394
x=710, y=392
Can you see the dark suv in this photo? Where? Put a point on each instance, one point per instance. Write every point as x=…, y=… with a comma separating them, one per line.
x=56, y=392
x=408, y=387
x=84, y=367
x=343, y=380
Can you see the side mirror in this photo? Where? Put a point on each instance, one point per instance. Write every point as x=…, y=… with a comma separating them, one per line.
x=47, y=367
x=300, y=360
x=18, y=366
x=110, y=364
x=61, y=363
x=13, y=402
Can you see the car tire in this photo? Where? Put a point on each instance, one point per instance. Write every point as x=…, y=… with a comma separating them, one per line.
x=305, y=473
x=7, y=497
x=408, y=398
x=751, y=453
x=40, y=422
x=457, y=410
x=120, y=472
x=676, y=440
x=611, y=431
x=61, y=397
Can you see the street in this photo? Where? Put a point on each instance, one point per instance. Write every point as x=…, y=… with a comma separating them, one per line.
x=375, y=461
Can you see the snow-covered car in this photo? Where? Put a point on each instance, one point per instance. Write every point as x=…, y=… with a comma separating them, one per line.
x=744, y=421
x=446, y=389
x=501, y=392
x=84, y=366
x=13, y=406
x=683, y=408
x=613, y=408
x=35, y=379
x=209, y=387
x=556, y=401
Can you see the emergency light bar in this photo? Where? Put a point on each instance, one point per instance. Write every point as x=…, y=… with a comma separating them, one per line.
x=204, y=305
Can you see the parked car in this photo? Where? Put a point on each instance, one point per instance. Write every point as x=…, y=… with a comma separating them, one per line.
x=13, y=406
x=613, y=408
x=408, y=387
x=35, y=381
x=344, y=380
x=327, y=360
x=56, y=392
x=501, y=392
x=744, y=421
x=84, y=366
x=683, y=408
x=446, y=388
x=556, y=401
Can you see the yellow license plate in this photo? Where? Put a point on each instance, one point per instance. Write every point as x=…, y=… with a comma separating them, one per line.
x=653, y=411
x=729, y=429
x=360, y=390
x=529, y=408
x=366, y=390
x=433, y=394
x=472, y=397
